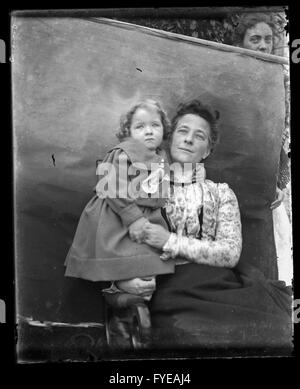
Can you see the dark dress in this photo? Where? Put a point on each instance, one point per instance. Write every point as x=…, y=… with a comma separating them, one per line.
x=212, y=301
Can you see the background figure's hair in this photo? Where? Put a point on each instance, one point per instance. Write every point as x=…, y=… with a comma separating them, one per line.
x=196, y=107
x=126, y=119
x=250, y=20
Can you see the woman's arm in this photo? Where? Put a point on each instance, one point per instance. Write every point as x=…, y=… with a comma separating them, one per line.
x=225, y=250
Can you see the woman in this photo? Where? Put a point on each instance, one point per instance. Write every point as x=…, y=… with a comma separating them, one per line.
x=256, y=31
x=210, y=301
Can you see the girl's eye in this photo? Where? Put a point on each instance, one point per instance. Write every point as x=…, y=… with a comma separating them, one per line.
x=139, y=126
x=155, y=124
x=181, y=130
x=254, y=40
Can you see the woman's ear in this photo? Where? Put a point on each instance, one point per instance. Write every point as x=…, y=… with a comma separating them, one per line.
x=206, y=154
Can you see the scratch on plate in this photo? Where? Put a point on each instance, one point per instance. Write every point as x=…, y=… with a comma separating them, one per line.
x=46, y=323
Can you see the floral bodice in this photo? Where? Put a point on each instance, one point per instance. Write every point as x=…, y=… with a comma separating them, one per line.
x=204, y=219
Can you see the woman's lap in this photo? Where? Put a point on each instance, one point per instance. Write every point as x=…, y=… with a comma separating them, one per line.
x=216, y=307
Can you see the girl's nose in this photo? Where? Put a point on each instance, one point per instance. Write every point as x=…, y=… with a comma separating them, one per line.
x=149, y=130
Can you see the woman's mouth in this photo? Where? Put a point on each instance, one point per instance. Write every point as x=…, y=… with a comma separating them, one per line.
x=184, y=149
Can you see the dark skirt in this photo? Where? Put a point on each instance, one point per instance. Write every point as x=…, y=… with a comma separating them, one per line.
x=211, y=307
x=103, y=251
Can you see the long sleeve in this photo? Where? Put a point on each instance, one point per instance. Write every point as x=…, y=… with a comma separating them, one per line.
x=284, y=162
x=225, y=250
x=114, y=186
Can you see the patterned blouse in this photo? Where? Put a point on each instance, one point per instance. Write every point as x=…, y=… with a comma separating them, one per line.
x=204, y=219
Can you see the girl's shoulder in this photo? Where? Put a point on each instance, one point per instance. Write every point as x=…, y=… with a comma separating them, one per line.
x=136, y=151
x=114, y=154
x=121, y=151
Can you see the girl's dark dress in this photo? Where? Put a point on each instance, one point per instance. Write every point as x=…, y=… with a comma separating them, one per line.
x=102, y=249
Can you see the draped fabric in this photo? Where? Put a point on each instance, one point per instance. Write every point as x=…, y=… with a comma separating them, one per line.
x=207, y=307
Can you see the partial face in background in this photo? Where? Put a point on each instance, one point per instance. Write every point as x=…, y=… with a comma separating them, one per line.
x=146, y=127
x=190, y=141
x=259, y=38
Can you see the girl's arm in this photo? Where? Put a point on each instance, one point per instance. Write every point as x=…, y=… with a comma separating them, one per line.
x=225, y=250
x=114, y=185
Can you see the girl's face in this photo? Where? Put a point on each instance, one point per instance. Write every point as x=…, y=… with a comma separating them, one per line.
x=190, y=141
x=259, y=38
x=146, y=127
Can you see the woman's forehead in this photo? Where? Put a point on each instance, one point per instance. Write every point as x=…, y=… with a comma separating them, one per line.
x=260, y=28
x=194, y=121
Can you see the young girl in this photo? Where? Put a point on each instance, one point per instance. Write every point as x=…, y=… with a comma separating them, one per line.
x=102, y=248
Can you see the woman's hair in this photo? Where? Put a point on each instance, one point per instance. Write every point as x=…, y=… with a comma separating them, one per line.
x=126, y=119
x=250, y=20
x=196, y=107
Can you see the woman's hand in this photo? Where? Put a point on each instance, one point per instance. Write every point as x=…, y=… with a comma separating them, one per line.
x=140, y=286
x=156, y=235
x=279, y=198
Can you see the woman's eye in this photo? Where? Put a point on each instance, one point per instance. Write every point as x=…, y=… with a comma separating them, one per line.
x=199, y=136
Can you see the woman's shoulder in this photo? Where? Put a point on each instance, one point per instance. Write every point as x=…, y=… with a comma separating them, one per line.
x=217, y=185
x=222, y=189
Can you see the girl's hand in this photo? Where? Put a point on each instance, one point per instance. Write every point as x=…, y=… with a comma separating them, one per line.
x=279, y=198
x=136, y=231
x=156, y=235
x=140, y=286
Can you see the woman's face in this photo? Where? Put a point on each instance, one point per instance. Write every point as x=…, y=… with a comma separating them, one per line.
x=190, y=140
x=146, y=127
x=259, y=38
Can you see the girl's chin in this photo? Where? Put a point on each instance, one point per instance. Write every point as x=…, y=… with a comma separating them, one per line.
x=150, y=148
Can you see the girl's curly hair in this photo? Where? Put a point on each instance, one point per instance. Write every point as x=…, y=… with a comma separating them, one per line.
x=126, y=119
x=247, y=21
x=196, y=107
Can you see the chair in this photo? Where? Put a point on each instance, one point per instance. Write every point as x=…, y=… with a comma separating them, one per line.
x=127, y=321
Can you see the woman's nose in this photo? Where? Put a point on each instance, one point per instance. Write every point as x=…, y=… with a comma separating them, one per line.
x=188, y=138
x=263, y=45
